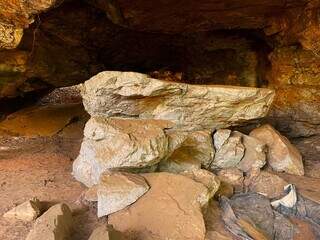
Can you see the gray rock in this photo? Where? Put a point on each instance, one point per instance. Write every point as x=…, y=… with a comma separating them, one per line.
x=230, y=153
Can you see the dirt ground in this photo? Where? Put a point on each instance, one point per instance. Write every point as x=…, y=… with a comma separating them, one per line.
x=46, y=176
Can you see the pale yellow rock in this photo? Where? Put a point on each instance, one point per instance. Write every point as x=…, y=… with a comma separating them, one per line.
x=282, y=156
x=118, y=190
x=27, y=211
x=230, y=153
x=169, y=210
x=54, y=224
x=119, y=143
x=189, y=107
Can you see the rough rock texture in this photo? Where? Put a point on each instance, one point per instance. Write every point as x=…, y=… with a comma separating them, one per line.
x=166, y=211
x=205, y=177
x=230, y=153
x=267, y=184
x=254, y=155
x=54, y=224
x=282, y=155
x=189, y=107
x=295, y=75
x=310, y=151
x=232, y=176
x=105, y=233
x=118, y=190
x=16, y=15
x=201, y=16
x=220, y=137
x=119, y=143
x=27, y=211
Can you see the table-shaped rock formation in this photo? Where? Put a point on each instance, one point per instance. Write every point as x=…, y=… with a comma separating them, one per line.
x=189, y=107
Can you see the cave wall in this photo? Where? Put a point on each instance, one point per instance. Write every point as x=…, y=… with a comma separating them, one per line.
x=47, y=44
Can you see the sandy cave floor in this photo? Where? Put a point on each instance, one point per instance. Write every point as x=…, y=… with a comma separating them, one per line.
x=46, y=176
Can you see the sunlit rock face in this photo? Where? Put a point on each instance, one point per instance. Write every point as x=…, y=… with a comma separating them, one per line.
x=189, y=107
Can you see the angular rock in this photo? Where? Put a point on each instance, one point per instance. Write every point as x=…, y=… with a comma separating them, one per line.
x=220, y=137
x=118, y=190
x=282, y=156
x=171, y=209
x=189, y=107
x=54, y=224
x=267, y=184
x=230, y=153
x=214, y=235
x=205, y=177
x=27, y=211
x=106, y=232
x=250, y=216
x=254, y=155
x=119, y=143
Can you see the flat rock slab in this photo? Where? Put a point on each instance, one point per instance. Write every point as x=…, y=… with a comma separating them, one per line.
x=171, y=209
x=189, y=107
x=118, y=190
x=119, y=143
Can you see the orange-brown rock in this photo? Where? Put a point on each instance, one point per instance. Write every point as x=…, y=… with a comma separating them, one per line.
x=267, y=184
x=282, y=156
x=171, y=209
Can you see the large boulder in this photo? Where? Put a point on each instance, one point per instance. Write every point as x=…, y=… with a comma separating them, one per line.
x=119, y=143
x=171, y=209
x=282, y=156
x=189, y=107
x=118, y=190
